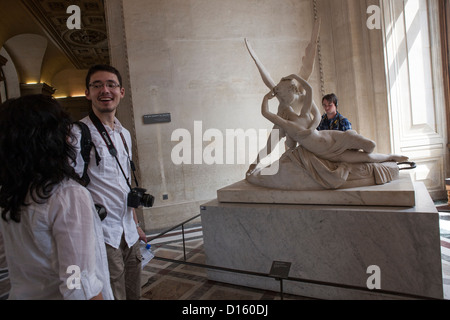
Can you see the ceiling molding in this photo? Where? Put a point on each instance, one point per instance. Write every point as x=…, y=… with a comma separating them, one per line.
x=83, y=47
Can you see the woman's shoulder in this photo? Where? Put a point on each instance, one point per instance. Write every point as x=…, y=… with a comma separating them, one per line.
x=69, y=187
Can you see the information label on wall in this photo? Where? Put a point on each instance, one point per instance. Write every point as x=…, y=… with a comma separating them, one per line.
x=156, y=118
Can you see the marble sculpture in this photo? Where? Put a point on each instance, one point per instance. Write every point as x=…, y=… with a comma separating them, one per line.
x=314, y=160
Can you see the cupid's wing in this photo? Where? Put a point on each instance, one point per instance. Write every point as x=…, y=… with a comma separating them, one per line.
x=310, y=52
x=262, y=70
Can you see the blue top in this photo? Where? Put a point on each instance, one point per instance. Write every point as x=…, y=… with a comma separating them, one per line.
x=339, y=122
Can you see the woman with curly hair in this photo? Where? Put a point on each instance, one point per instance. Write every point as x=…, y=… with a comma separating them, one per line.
x=53, y=237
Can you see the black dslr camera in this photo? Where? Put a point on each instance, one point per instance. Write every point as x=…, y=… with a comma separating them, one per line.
x=101, y=211
x=138, y=197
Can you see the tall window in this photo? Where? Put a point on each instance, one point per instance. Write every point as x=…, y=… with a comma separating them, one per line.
x=444, y=19
x=416, y=95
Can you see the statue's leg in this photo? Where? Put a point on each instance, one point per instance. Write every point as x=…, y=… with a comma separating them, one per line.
x=354, y=156
x=359, y=142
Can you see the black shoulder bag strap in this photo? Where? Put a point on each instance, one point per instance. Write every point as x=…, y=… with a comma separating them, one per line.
x=111, y=148
x=86, y=145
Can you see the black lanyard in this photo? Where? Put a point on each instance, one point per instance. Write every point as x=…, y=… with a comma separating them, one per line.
x=111, y=148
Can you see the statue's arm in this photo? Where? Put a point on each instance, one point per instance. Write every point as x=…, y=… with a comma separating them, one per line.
x=317, y=117
x=272, y=117
x=309, y=107
x=265, y=75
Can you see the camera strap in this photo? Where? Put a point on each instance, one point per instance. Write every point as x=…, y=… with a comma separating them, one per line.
x=111, y=148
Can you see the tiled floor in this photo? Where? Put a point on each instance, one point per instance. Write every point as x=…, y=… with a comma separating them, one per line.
x=166, y=280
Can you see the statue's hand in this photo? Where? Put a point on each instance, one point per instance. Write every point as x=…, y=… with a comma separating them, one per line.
x=270, y=95
x=251, y=169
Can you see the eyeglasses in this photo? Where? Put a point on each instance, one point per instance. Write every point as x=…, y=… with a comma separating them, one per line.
x=108, y=84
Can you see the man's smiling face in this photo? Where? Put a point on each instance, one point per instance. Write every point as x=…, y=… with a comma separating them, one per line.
x=104, y=92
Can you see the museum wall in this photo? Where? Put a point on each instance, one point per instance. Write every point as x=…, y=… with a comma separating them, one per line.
x=353, y=66
x=188, y=59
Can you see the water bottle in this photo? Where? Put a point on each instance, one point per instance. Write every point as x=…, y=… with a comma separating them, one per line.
x=146, y=252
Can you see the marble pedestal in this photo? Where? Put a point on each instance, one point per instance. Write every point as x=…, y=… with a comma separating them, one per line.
x=334, y=244
x=399, y=192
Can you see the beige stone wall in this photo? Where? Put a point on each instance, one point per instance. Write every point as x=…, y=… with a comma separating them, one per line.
x=353, y=67
x=188, y=58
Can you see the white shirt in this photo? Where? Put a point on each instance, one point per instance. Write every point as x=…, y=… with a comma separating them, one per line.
x=53, y=237
x=108, y=186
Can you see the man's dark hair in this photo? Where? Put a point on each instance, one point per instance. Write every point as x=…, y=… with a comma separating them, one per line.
x=35, y=151
x=102, y=67
x=331, y=98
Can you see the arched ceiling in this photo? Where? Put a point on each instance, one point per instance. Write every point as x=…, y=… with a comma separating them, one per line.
x=42, y=47
x=28, y=62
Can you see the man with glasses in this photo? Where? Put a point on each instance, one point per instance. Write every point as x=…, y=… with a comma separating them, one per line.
x=108, y=181
x=332, y=119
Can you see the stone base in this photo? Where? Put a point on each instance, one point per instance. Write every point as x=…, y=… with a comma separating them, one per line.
x=399, y=192
x=333, y=244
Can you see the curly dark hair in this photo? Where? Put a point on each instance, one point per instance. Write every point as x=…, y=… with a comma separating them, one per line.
x=35, y=149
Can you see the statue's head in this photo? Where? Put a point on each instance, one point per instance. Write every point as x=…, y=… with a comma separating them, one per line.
x=286, y=90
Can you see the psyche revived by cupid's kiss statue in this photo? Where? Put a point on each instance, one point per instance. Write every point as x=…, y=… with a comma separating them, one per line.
x=314, y=160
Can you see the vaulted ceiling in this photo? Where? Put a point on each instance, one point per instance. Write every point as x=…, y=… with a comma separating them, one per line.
x=35, y=36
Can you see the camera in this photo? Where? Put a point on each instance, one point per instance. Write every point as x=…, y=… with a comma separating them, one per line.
x=138, y=197
x=101, y=211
